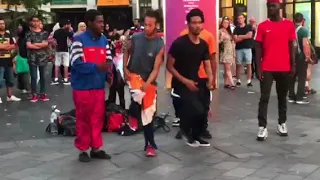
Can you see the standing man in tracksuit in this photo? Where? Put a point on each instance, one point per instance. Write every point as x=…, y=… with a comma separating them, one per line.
x=91, y=60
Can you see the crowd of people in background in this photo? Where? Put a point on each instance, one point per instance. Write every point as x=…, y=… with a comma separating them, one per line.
x=237, y=48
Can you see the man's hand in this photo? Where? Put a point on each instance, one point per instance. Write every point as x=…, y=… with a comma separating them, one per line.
x=145, y=87
x=260, y=74
x=309, y=60
x=191, y=85
x=104, y=67
x=126, y=74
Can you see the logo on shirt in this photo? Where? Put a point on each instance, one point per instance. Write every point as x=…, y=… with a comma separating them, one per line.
x=268, y=31
x=91, y=50
x=150, y=54
x=101, y=51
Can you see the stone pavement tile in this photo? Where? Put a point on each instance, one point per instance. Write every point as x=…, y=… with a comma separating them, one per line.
x=180, y=174
x=314, y=175
x=13, y=155
x=226, y=165
x=207, y=174
x=303, y=168
x=127, y=173
x=288, y=177
x=255, y=178
x=164, y=169
x=248, y=155
x=267, y=172
x=34, y=143
x=8, y=145
x=36, y=178
x=24, y=173
x=125, y=160
x=239, y=172
x=52, y=157
x=257, y=163
x=107, y=179
x=59, y=178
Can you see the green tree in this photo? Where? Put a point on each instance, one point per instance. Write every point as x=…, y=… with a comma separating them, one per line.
x=33, y=7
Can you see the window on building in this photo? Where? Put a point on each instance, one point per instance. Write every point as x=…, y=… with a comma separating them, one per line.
x=305, y=9
x=226, y=8
x=289, y=11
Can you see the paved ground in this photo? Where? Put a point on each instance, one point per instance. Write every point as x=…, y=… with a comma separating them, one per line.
x=28, y=153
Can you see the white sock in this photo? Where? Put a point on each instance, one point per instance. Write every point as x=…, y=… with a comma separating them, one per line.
x=56, y=79
x=239, y=81
x=249, y=81
x=307, y=83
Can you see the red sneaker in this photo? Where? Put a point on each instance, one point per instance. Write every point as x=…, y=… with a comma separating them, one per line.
x=150, y=152
x=34, y=98
x=44, y=97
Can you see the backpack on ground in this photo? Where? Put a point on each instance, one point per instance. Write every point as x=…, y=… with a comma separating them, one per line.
x=65, y=123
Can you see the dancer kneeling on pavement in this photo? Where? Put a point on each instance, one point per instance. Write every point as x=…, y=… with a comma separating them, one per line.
x=146, y=51
x=90, y=61
x=184, y=59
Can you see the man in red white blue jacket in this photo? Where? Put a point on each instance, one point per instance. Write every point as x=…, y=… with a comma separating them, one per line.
x=91, y=62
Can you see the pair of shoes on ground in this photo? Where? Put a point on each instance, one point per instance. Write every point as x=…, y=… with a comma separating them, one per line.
x=263, y=132
x=84, y=156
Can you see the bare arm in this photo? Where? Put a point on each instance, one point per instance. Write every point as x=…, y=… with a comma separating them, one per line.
x=156, y=68
x=306, y=47
x=126, y=54
x=42, y=45
x=213, y=63
x=4, y=46
x=32, y=46
x=292, y=54
x=258, y=48
x=208, y=69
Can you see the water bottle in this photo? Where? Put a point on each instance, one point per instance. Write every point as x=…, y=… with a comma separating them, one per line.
x=54, y=120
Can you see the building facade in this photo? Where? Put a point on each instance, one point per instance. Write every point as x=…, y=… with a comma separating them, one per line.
x=258, y=10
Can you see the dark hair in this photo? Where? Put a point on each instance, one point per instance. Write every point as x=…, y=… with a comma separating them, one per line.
x=137, y=19
x=32, y=17
x=62, y=23
x=193, y=13
x=154, y=14
x=241, y=14
x=228, y=28
x=91, y=15
x=2, y=19
x=298, y=18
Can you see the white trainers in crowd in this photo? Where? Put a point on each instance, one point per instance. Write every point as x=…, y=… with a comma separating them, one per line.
x=263, y=132
x=282, y=129
x=11, y=99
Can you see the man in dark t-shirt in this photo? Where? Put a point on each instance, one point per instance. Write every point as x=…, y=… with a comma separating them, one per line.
x=62, y=51
x=185, y=56
x=7, y=44
x=243, y=36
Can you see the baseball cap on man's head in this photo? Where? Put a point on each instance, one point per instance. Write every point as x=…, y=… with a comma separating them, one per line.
x=273, y=1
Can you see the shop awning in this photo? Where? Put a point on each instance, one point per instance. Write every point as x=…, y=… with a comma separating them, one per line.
x=113, y=3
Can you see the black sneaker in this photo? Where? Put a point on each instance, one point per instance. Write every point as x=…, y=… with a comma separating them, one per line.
x=66, y=82
x=238, y=84
x=99, y=155
x=190, y=141
x=206, y=135
x=176, y=122
x=55, y=82
x=303, y=102
x=203, y=143
x=249, y=84
x=179, y=135
x=291, y=100
x=84, y=157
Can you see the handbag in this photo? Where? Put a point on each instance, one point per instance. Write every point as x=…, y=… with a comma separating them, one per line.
x=22, y=65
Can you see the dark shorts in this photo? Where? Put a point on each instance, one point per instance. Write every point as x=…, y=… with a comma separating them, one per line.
x=6, y=77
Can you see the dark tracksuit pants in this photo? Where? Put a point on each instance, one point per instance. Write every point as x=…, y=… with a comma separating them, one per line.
x=193, y=113
x=301, y=74
x=282, y=85
x=205, y=93
x=117, y=87
x=254, y=63
x=135, y=111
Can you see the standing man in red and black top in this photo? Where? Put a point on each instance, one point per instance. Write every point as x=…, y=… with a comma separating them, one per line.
x=275, y=57
x=136, y=28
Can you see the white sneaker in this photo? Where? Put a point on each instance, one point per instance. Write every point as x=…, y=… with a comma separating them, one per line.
x=13, y=99
x=282, y=129
x=0, y=100
x=193, y=143
x=262, y=134
x=23, y=91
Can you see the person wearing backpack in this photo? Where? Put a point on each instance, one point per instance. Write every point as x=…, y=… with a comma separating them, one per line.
x=303, y=56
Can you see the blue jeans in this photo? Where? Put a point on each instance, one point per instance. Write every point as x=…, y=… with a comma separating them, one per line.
x=34, y=77
x=6, y=77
